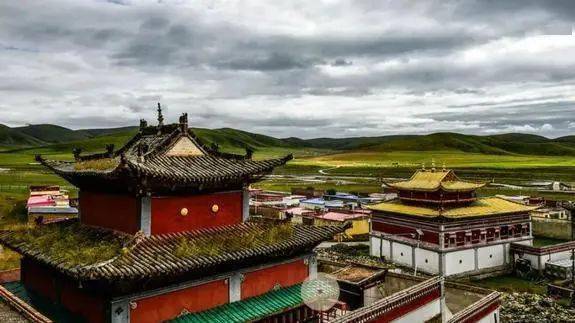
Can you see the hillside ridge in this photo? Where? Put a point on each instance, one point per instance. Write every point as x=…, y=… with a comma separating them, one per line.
x=61, y=139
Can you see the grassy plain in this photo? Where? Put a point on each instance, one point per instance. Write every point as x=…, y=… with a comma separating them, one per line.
x=451, y=158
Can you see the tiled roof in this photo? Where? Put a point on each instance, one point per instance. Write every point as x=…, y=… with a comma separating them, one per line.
x=432, y=180
x=149, y=158
x=161, y=256
x=250, y=309
x=482, y=207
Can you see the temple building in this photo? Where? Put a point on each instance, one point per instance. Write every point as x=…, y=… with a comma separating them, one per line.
x=162, y=234
x=438, y=225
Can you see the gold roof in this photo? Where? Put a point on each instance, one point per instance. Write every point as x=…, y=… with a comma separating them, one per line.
x=432, y=180
x=482, y=207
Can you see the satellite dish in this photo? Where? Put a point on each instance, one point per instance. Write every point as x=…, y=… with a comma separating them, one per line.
x=321, y=293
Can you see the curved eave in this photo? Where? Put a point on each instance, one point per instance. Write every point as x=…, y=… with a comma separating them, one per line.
x=66, y=170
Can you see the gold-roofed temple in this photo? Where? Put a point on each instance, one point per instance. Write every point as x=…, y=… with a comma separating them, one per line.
x=439, y=225
x=436, y=187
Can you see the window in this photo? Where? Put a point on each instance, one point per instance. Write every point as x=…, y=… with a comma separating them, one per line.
x=490, y=256
x=460, y=261
x=425, y=260
x=401, y=254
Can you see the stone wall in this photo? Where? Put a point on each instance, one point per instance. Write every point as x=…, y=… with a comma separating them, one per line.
x=552, y=228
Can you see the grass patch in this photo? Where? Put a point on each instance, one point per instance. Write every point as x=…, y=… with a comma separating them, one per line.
x=225, y=242
x=511, y=284
x=9, y=260
x=68, y=244
x=12, y=210
x=96, y=164
x=544, y=241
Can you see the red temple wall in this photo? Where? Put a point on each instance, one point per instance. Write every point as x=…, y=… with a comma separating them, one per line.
x=113, y=211
x=428, y=236
x=167, y=306
x=167, y=217
x=80, y=302
x=262, y=281
x=38, y=279
x=412, y=305
x=64, y=292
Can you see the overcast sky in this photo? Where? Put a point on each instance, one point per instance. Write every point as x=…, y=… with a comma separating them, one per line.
x=292, y=68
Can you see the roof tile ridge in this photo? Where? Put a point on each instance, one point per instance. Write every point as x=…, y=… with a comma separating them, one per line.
x=128, y=144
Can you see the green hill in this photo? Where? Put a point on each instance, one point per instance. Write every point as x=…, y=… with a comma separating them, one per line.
x=55, y=139
x=52, y=133
x=12, y=137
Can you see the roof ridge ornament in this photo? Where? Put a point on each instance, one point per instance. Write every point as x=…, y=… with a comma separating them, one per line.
x=160, y=116
x=433, y=164
x=443, y=167
x=423, y=166
x=184, y=122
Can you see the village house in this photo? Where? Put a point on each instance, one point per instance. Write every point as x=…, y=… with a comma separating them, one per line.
x=49, y=203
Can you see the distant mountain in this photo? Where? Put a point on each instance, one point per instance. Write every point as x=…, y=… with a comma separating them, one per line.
x=51, y=133
x=60, y=139
x=12, y=137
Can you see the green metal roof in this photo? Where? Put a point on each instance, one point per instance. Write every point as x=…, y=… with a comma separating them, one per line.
x=250, y=309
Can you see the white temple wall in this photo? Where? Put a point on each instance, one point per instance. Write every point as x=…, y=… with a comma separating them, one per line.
x=427, y=261
x=534, y=259
x=459, y=261
x=402, y=254
x=556, y=256
x=491, y=256
x=422, y=314
x=379, y=247
x=374, y=246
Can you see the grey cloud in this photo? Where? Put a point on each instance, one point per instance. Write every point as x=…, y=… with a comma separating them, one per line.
x=270, y=62
x=312, y=76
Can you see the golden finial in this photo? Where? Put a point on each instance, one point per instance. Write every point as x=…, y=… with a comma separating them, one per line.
x=433, y=164
x=443, y=166
x=423, y=166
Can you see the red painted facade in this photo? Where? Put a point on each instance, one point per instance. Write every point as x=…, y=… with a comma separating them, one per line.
x=477, y=316
x=36, y=278
x=112, y=211
x=167, y=306
x=413, y=304
x=428, y=236
x=62, y=291
x=262, y=281
x=167, y=217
